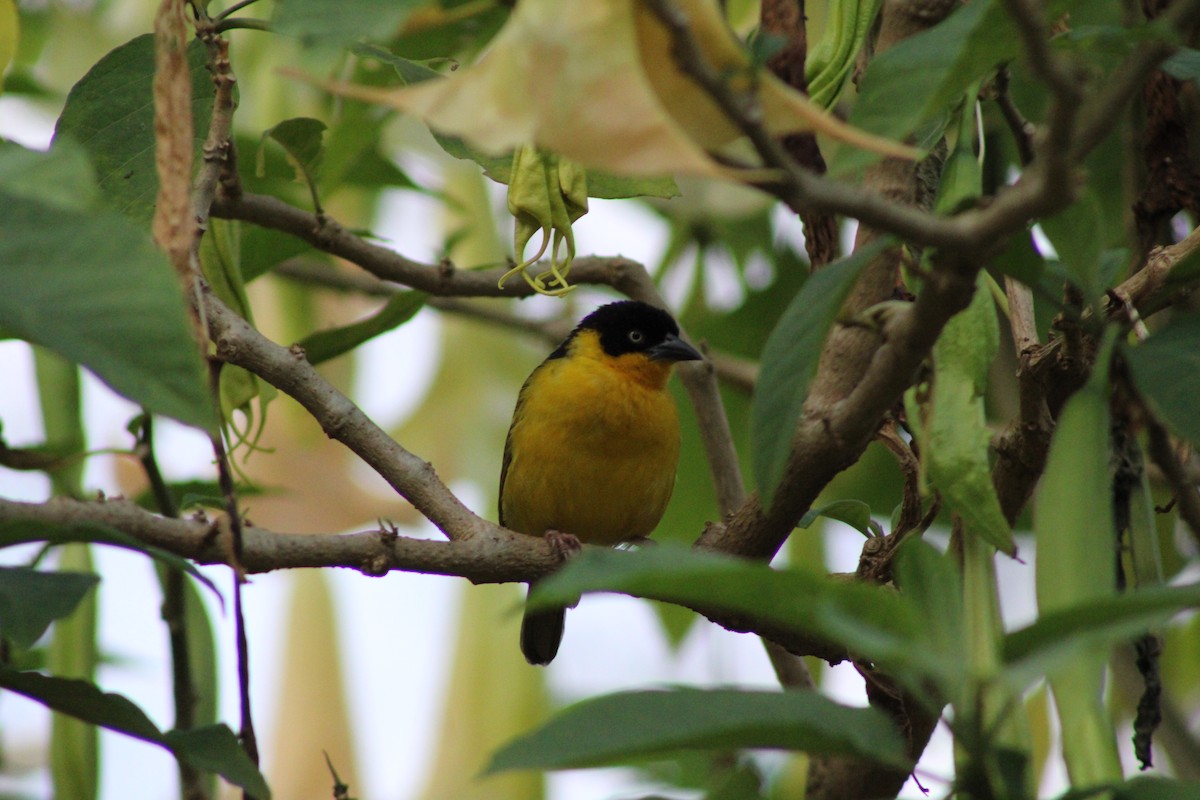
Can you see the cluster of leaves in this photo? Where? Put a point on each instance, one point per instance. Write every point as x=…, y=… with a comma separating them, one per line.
x=81, y=280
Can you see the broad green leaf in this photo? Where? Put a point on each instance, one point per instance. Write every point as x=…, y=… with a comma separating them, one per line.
x=189, y=494
x=343, y=21
x=872, y=621
x=1058, y=635
x=1149, y=787
x=930, y=581
x=110, y=111
x=62, y=176
x=84, y=701
x=1076, y=556
x=789, y=362
x=399, y=309
x=1166, y=371
x=954, y=432
x=962, y=174
x=302, y=141
x=1184, y=65
x=353, y=152
x=262, y=250
x=92, y=288
x=73, y=653
x=16, y=532
x=741, y=781
x=640, y=725
x=215, y=748
x=854, y=513
x=930, y=70
x=1076, y=234
x=207, y=748
x=1185, y=272
x=31, y=599
x=1021, y=260
x=1144, y=787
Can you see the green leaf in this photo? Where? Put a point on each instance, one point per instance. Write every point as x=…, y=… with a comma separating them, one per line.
x=954, y=433
x=1166, y=371
x=399, y=309
x=962, y=174
x=1076, y=234
x=1021, y=260
x=343, y=21
x=1076, y=549
x=1183, y=65
x=854, y=513
x=207, y=748
x=82, y=700
x=73, y=653
x=62, y=176
x=871, y=621
x=16, y=532
x=352, y=152
x=31, y=599
x=931, y=71
x=110, y=111
x=302, y=141
x=638, y=725
x=1155, y=788
x=215, y=748
x=1185, y=272
x=192, y=493
x=1058, y=635
x=789, y=362
x=931, y=582
x=91, y=287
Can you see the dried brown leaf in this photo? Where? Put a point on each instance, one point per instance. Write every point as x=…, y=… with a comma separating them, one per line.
x=172, y=226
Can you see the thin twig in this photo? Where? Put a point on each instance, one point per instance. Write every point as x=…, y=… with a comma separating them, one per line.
x=1022, y=129
x=492, y=555
x=192, y=783
x=218, y=157
x=740, y=373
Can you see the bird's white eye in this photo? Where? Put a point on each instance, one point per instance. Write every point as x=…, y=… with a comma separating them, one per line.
x=637, y=337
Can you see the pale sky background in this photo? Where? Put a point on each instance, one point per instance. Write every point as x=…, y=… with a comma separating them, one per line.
x=393, y=747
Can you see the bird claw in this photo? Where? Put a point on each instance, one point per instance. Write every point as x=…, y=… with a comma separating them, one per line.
x=564, y=545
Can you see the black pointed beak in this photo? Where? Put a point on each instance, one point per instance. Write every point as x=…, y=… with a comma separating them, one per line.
x=674, y=349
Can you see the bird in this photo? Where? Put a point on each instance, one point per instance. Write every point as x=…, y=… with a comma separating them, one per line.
x=591, y=453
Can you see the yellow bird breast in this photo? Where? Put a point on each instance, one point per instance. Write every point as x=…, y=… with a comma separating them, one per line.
x=593, y=447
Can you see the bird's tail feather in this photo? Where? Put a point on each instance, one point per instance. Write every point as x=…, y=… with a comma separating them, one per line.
x=541, y=633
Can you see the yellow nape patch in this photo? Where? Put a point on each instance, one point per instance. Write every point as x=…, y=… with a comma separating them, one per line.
x=594, y=446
